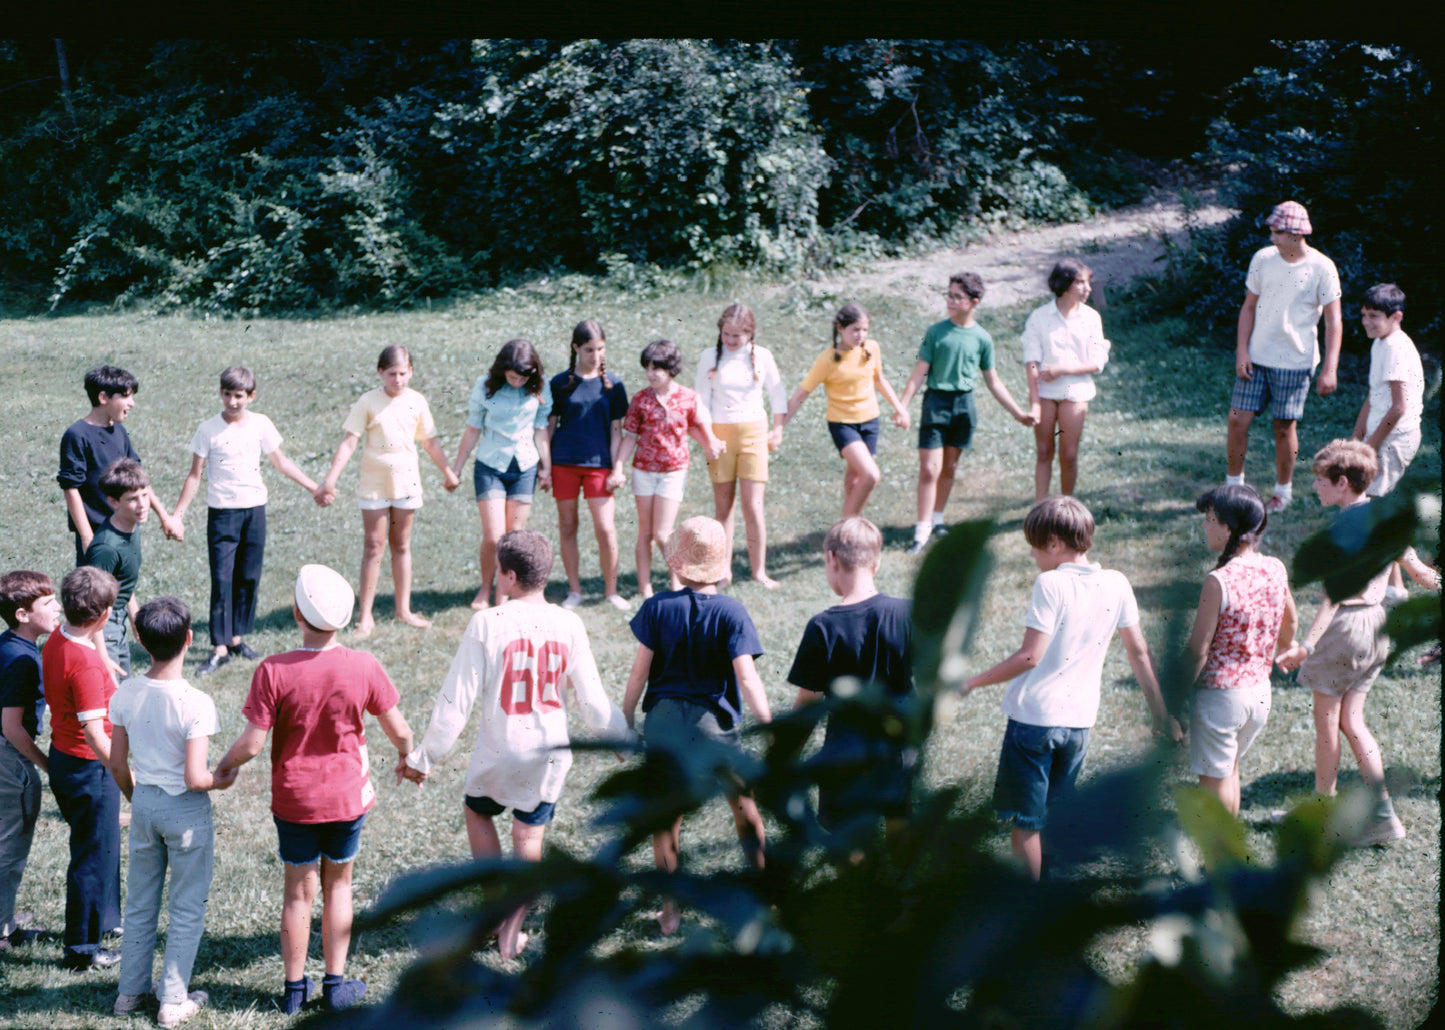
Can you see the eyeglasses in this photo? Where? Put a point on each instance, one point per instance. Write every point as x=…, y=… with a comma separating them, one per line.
x=956, y=296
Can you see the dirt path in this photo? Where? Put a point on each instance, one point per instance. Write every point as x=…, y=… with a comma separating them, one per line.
x=1118, y=245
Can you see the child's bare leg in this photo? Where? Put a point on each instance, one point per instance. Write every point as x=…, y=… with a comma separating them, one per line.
x=757, y=531
x=493, y=515
x=930, y=463
x=481, y=835
x=1327, y=743
x=1362, y=741
x=862, y=477
x=1236, y=444
x=1044, y=447
x=1220, y=788
x=299, y=897
x=664, y=515
x=335, y=914
x=945, y=477
x=1028, y=848
x=751, y=832
x=665, y=849
x=517, y=513
x=724, y=502
x=527, y=846
x=642, y=550
x=1286, y=449
x=604, y=525
x=399, y=539
x=374, y=530
x=567, y=543
x=1071, y=431
x=1426, y=575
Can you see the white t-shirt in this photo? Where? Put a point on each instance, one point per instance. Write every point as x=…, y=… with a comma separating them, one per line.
x=1051, y=339
x=734, y=396
x=1081, y=606
x=1292, y=297
x=233, y=453
x=512, y=663
x=159, y=716
x=1394, y=359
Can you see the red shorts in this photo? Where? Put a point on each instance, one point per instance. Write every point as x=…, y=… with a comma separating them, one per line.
x=569, y=480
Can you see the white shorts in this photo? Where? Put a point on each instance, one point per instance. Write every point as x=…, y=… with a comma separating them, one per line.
x=660, y=484
x=1224, y=725
x=382, y=503
x=1395, y=454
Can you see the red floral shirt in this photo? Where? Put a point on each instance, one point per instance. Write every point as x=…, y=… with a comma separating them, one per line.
x=1255, y=592
x=661, y=425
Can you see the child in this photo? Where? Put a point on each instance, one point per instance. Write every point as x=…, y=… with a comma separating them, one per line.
x=164, y=725
x=115, y=547
x=584, y=436
x=1246, y=617
x=695, y=652
x=849, y=371
x=94, y=443
x=1055, y=677
x=1345, y=648
x=955, y=354
x=30, y=610
x=392, y=419
x=867, y=636
x=659, y=421
x=730, y=382
x=314, y=698
x=78, y=688
x=516, y=658
x=236, y=503
x=508, y=411
x=1064, y=345
x=1288, y=287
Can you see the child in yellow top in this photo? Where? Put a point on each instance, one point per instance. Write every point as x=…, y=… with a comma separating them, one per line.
x=392, y=420
x=851, y=373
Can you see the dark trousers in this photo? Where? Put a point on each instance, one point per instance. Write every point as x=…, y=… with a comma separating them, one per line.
x=236, y=539
x=89, y=800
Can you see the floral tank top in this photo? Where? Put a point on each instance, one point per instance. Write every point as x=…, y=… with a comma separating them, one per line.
x=1250, y=614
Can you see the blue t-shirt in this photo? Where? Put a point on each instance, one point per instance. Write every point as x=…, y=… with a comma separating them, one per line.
x=584, y=420
x=694, y=638
x=20, y=685
x=85, y=452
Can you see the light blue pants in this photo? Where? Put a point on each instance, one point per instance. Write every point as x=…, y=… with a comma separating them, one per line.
x=175, y=832
x=19, y=808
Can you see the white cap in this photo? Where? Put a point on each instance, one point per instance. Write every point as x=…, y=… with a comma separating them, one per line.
x=324, y=597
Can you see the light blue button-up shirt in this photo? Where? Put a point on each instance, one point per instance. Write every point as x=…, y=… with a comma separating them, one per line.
x=507, y=420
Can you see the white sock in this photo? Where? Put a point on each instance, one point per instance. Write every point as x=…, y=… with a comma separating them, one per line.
x=938, y=518
x=922, y=530
x=1234, y=480
x=1285, y=490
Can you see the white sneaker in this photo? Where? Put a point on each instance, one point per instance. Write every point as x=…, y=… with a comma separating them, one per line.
x=619, y=602
x=175, y=1015
x=1381, y=831
x=572, y=601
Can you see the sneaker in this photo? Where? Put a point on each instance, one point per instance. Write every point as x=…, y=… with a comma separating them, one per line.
x=21, y=937
x=916, y=547
x=297, y=994
x=572, y=600
x=1396, y=595
x=940, y=529
x=1381, y=831
x=175, y=1015
x=247, y=652
x=129, y=1004
x=1277, y=502
x=341, y=993
x=619, y=602
x=101, y=958
x=211, y=664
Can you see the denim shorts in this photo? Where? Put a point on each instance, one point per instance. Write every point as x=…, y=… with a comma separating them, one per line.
x=485, y=806
x=947, y=420
x=513, y=484
x=1037, y=766
x=307, y=843
x=844, y=433
x=1283, y=389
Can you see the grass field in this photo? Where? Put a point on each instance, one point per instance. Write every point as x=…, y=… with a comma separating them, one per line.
x=1154, y=440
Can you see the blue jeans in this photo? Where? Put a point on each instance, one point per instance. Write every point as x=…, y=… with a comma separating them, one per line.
x=19, y=808
x=1036, y=767
x=89, y=801
x=117, y=641
x=175, y=832
x=236, y=540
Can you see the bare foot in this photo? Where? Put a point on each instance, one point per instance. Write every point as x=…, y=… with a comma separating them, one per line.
x=363, y=629
x=668, y=920
x=766, y=580
x=413, y=619
x=480, y=601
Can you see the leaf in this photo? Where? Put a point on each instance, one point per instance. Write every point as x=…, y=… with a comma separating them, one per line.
x=1361, y=541
x=945, y=602
x=1414, y=622
x=1219, y=835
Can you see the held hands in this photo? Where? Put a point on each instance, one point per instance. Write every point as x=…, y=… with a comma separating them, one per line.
x=1292, y=658
x=716, y=448
x=174, y=528
x=223, y=776
x=324, y=494
x=775, y=438
x=615, y=479
x=406, y=772
x=1170, y=727
x=901, y=419
x=1027, y=418
x=450, y=480
x=544, y=478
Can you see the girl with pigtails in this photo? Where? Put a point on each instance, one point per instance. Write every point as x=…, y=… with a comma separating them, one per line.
x=732, y=378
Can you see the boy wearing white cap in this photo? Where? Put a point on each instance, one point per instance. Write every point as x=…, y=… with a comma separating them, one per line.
x=314, y=698
x=1288, y=288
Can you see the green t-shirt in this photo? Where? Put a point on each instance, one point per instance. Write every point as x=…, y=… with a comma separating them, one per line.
x=119, y=554
x=956, y=355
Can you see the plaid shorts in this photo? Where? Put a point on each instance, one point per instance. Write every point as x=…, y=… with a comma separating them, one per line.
x=1284, y=389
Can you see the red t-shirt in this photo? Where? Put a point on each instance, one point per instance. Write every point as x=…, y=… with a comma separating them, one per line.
x=313, y=702
x=661, y=428
x=76, y=682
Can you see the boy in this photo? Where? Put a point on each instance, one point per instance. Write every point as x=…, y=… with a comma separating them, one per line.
x=30, y=610
x=314, y=698
x=115, y=547
x=1288, y=287
x=93, y=444
x=78, y=688
x=867, y=636
x=516, y=657
x=164, y=724
x=1056, y=675
x=695, y=652
x=236, y=520
x=955, y=354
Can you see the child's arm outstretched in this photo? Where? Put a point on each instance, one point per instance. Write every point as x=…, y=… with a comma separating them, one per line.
x=450, y=712
x=450, y=479
x=1000, y=393
x=625, y=450
x=900, y=410
x=1025, y=659
x=915, y=382
x=247, y=746
x=394, y=725
x=326, y=492
x=1426, y=575
x=290, y=470
x=703, y=434
x=189, y=487
x=750, y=685
x=198, y=776
x=1137, y=650
x=795, y=402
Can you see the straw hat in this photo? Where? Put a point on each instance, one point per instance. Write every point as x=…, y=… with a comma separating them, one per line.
x=698, y=550
x=324, y=597
x=1290, y=217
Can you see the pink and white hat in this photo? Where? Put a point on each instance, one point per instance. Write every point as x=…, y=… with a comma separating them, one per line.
x=1290, y=217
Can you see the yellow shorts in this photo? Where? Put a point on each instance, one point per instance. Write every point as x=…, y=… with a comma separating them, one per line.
x=746, y=456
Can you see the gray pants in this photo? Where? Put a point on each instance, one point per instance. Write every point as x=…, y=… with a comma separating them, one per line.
x=175, y=832
x=19, y=808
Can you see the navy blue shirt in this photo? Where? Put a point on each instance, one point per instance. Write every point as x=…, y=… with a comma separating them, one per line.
x=694, y=638
x=584, y=420
x=85, y=452
x=20, y=685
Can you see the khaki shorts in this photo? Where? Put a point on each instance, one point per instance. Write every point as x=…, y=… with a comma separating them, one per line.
x=746, y=456
x=1350, y=654
x=1224, y=725
x=1395, y=455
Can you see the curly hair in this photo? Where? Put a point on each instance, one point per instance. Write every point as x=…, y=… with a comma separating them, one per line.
x=517, y=356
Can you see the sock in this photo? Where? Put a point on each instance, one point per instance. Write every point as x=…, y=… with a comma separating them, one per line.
x=938, y=518
x=1384, y=809
x=921, y=530
x=1285, y=490
x=341, y=993
x=297, y=994
x=1234, y=480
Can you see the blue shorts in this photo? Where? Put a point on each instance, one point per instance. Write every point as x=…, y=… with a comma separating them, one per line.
x=307, y=843
x=844, y=433
x=513, y=484
x=1036, y=766
x=947, y=420
x=688, y=725
x=1283, y=389
x=485, y=806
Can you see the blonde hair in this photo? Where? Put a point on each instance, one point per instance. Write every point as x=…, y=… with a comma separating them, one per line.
x=743, y=316
x=855, y=542
x=1353, y=459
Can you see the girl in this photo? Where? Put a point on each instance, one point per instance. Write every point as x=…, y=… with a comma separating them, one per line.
x=849, y=371
x=508, y=412
x=656, y=428
x=585, y=433
x=1064, y=346
x=392, y=419
x=730, y=382
x=1245, y=619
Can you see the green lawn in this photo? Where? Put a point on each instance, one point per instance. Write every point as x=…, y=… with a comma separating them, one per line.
x=1153, y=442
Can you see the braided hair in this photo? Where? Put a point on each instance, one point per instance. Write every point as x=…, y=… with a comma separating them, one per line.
x=742, y=315
x=583, y=333
x=1239, y=509
x=517, y=356
x=849, y=314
